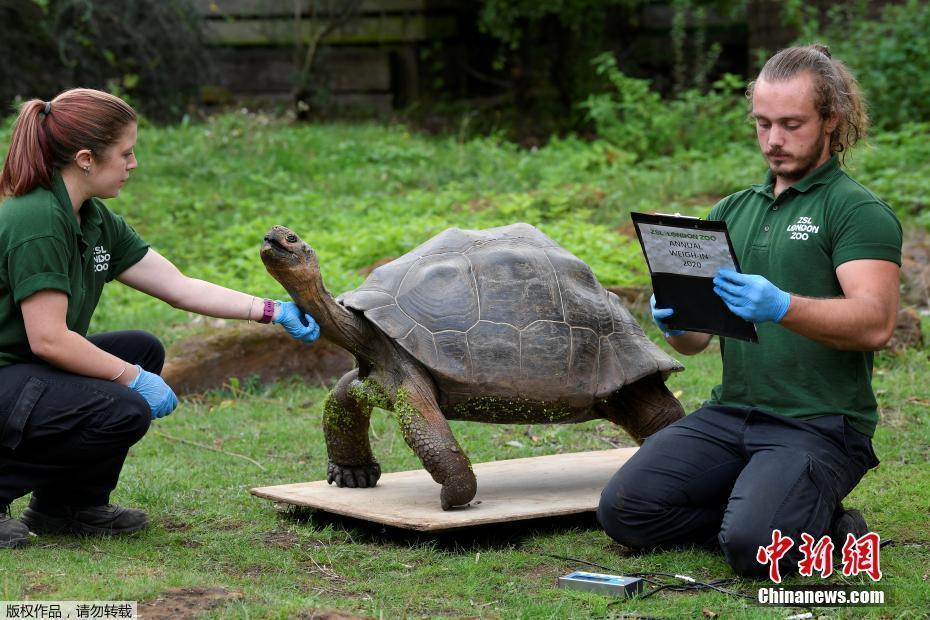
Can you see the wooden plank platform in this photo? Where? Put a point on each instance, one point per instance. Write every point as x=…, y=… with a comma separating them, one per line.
x=512, y=490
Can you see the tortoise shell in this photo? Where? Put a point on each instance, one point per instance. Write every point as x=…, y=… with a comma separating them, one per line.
x=508, y=312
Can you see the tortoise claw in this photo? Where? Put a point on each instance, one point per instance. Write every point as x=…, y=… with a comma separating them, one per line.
x=353, y=476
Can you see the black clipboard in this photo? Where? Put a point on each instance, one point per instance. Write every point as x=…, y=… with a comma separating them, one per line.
x=697, y=307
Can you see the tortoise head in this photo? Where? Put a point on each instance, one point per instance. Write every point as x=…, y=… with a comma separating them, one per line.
x=287, y=257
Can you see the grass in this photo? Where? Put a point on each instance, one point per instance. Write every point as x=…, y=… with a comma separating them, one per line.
x=205, y=195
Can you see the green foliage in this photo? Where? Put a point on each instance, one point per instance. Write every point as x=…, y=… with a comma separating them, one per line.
x=544, y=60
x=148, y=51
x=890, y=56
x=691, y=67
x=634, y=118
x=888, y=163
x=503, y=18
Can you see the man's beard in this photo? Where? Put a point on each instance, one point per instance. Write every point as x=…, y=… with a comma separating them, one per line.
x=803, y=163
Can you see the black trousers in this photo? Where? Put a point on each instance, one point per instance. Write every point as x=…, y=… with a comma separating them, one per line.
x=730, y=476
x=64, y=437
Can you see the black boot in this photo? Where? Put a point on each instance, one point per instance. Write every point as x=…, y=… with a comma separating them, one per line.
x=13, y=533
x=109, y=520
x=847, y=522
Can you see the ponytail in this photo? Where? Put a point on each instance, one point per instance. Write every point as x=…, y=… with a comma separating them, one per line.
x=27, y=163
x=47, y=135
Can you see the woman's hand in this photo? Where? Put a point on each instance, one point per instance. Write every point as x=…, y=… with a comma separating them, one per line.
x=156, y=392
x=298, y=324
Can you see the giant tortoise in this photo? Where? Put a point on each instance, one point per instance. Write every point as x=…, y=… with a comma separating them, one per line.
x=498, y=325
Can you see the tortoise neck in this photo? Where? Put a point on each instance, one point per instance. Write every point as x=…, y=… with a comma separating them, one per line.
x=337, y=323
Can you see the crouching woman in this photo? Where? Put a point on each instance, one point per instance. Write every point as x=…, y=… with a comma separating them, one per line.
x=72, y=404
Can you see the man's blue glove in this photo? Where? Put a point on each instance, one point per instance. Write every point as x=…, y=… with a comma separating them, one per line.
x=296, y=323
x=659, y=315
x=751, y=297
x=155, y=391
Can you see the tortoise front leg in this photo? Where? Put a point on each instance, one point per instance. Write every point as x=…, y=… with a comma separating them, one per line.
x=427, y=432
x=345, y=426
x=643, y=407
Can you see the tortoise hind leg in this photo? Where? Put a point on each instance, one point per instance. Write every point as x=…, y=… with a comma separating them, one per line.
x=427, y=432
x=345, y=426
x=643, y=407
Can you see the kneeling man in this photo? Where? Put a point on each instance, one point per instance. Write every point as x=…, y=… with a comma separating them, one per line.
x=787, y=434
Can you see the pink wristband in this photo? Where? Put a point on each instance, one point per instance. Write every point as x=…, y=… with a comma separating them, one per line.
x=267, y=312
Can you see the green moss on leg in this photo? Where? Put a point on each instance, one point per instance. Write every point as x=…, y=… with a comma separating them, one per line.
x=345, y=426
x=438, y=451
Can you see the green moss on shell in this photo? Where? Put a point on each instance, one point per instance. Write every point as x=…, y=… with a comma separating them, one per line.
x=496, y=409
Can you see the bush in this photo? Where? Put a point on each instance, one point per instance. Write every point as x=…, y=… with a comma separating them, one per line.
x=637, y=120
x=150, y=51
x=890, y=56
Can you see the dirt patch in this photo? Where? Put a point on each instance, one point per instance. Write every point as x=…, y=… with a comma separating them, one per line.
x=206, y=361
x=626, y=229
x=182, y=603
x=255, y=570
x=38, y=588
x=228, y=526
x=364, y=271
x=170, y=524
x=635, y=298
x=281, y=540
x=907, y=331
x=915, y=271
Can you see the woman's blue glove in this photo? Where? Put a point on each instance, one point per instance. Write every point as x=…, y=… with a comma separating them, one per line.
x=296, y=323
x=155, y=391
x=751, y=297
x=659, y=315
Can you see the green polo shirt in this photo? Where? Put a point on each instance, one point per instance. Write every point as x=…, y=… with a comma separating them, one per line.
x=797, y=241
x=44, y=248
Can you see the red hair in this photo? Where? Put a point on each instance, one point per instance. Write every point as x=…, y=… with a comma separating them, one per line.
x=43, y=142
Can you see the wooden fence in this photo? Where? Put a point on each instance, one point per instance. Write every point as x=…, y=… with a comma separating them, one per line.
x=373, y=60
x=370, y=60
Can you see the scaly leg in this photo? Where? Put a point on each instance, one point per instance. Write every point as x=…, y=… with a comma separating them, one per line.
x=427, y=432
x=345, y=426
x=643, y=407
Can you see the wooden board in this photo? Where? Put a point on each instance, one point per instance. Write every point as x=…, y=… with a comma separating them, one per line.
x=513, y=490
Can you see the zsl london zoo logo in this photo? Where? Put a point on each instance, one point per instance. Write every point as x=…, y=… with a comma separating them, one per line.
x=803, y=229
x=101, y=258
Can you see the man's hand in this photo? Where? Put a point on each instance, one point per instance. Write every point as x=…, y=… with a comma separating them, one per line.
x=751, y=297
x=156, y=392
x=298, y=324
x=659, y=315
